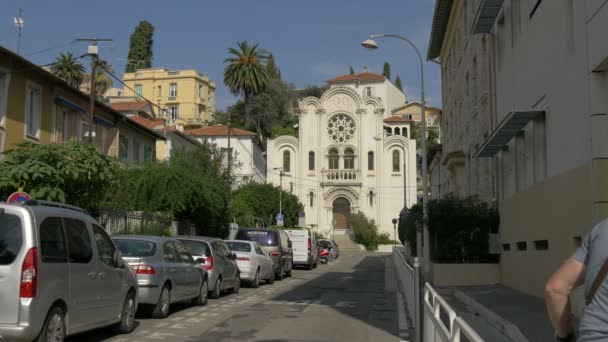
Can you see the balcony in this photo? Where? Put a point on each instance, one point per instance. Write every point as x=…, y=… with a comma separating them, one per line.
x=172, y=99
x=341, y=177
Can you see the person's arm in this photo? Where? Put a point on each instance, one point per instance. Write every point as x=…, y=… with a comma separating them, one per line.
x=557, y=291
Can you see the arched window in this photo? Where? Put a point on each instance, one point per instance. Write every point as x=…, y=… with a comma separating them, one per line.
x=404, y=131
x=396, y=161
x=311, y=198
x=370, y=161
x=388, y=130
x=371, y=198
x=397, y=131
x=311, y=161
x=333, y=159
x=349, y=159
x=286, y=161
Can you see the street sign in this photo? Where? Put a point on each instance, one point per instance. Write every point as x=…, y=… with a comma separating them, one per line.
x=18, y=197
x=301, y=221
x=280, y=220
x=302, y=214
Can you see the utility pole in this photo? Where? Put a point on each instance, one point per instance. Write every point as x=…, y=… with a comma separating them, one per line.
x=19, y=23
x=281, y=192
x=93, y=51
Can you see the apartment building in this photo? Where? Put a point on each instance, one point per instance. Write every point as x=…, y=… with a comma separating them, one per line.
x=187, y=96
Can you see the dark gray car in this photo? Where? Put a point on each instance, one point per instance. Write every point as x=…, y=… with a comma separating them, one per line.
x=218, y=260
x=60, y=274
x=276, y=243
x=166, y=272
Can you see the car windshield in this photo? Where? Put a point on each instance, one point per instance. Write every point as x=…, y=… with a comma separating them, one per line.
x=239, y=246
x=263, y=237
x=197, y=248
x=11, y=238
x=135, y=248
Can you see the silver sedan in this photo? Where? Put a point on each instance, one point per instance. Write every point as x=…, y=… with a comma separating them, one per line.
x=166, y=272
x=254, y=264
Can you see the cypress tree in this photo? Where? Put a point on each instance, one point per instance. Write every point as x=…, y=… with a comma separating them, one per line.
x=386, y=70
x=398, y=83
x=352, y=71
x=140, y=47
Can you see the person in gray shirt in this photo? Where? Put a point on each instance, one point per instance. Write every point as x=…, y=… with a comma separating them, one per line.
x=585, y=266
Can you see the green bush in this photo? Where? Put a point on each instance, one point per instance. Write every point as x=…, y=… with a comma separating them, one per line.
x=153, y=229
x=366, y=233
x=458, y=229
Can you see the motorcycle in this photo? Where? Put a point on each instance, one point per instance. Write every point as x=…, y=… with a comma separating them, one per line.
x=325, y=255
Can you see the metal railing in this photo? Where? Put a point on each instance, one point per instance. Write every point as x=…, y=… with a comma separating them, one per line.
x=341, y=176
x=441, y=323
x=407, y=276
x=117, y=221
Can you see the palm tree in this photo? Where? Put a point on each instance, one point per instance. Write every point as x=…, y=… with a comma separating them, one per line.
x=69, y=69
x=102, y=81
x=245, y=74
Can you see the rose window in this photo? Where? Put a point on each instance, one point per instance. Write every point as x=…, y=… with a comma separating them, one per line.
x=341, y=128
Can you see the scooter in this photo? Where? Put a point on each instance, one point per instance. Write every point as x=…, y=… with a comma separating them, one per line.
x=324, y=255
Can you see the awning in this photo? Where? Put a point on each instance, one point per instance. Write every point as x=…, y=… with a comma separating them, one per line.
x=486, y=15
x=60, y=100
x=506, y=130
x=103, y=122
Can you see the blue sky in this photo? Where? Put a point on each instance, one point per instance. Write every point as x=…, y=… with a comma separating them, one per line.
x=312, y=40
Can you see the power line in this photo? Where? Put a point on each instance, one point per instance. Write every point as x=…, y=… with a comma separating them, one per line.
x=49, y=49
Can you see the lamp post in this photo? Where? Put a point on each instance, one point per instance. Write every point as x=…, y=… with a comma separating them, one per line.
x=395, y=226
x=371, y=44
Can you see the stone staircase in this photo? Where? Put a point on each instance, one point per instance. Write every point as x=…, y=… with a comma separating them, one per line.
x=346, y=242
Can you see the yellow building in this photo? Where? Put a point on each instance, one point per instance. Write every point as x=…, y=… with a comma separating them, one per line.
x=187, y=96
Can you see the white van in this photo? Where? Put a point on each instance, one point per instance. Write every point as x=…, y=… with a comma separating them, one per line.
x=304, y=247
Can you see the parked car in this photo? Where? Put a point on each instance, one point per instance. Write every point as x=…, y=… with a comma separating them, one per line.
x=166, y=272
x=218, y=261
x=334, y=249
x=303, y=245
x=60, y=274
x=253, y=262
x=276, y=243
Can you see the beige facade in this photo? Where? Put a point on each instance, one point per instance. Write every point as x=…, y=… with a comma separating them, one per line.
x=187, y=96
x=547, y=135
x=467, y=101
x=411, y=111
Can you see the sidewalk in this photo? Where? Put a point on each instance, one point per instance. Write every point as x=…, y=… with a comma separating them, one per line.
x=518, y=316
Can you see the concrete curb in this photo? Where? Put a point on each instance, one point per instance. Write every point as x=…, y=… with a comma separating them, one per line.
x=505, y=327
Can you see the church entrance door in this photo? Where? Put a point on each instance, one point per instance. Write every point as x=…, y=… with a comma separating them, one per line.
x=341, y=210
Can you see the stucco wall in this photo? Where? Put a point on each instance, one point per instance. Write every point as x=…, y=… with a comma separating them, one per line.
x=464, y=274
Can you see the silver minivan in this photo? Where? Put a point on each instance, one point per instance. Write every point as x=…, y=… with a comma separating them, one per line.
x=60, y=274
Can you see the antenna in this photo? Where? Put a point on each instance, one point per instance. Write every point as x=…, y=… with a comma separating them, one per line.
x=19, y=23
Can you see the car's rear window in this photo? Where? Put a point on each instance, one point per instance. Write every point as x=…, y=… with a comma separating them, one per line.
x=135, y=248
x=11, y=238
x=263, y=237
x=239, y=246
x=197, y=248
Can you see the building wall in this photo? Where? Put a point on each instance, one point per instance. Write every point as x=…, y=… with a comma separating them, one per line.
x=191, y=106
x=467, y=104
x=386, y=186
x=137, y=142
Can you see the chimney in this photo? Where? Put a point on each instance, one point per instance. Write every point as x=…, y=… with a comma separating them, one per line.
x=365, y=69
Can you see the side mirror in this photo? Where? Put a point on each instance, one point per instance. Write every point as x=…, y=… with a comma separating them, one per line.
x=117, y=259
x=233, y=256
x=200, y=260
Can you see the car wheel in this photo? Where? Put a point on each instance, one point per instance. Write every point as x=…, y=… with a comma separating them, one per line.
x=288, y=273
x=314, y=265
x=127, y=316
x=201, y=299
x=54, y=326
x=270, y=279
x=217, y=289
x=256, y=281
x=161, y=310
x=237, y=284
x=310, y=265
x=279, y=275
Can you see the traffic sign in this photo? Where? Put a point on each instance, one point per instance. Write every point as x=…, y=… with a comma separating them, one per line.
x=19, y=197
x=302, y=214
x=280, y=220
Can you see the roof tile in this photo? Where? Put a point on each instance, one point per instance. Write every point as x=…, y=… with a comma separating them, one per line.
x=362, y=77
x=219, y=131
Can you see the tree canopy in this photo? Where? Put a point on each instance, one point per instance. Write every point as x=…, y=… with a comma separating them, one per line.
x=68, y=68
x=398, y=83
x=351, y=71
x=140, y=47
x=386, y=71
x=254, y=201
x=73, y=172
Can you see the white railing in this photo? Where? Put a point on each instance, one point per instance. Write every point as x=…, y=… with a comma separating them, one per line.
x=406, y=276
x=441, y=323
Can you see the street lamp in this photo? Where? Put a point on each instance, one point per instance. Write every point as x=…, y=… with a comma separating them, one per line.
x=371, y=44
x=395, y=226
x=280, y=169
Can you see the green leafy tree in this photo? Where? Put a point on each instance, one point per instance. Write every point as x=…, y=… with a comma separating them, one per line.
x=365, y=232
x=310, y=90
x=386, y=70
x=191, y=185
x=351, y=71
x=271, y=68
x=253, y=201
x=72, y=172
x=432, y=136
x=140, y=47
x=398, y=83
x=245, y=73
x=103, y=82
x=68, y=68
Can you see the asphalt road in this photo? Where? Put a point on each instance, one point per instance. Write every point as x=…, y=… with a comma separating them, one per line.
x=347, y=300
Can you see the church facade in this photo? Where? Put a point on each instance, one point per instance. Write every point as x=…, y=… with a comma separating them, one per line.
x=351, y=155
